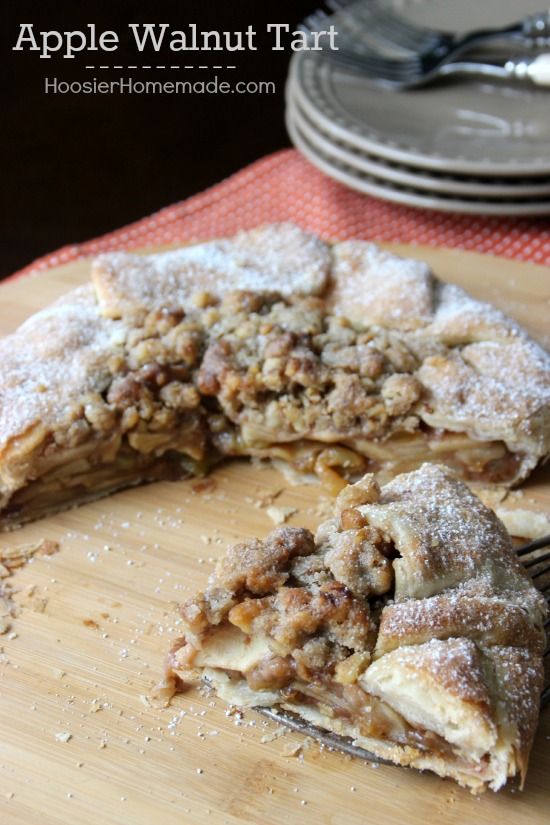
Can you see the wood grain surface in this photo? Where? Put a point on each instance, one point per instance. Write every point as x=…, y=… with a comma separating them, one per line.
x=80, y=742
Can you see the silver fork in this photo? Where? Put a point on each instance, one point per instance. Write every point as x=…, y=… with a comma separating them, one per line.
x=540, y=564
x=382, y=22
x=539, y=570
x=434, y=53
x=419, y=70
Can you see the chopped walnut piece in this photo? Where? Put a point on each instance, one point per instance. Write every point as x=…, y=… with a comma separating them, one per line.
x=271, y=673
x=260, y=566
x=364, y=491
x=400, y=393
x=208, y=608
x=355, y=561
x=317, y=629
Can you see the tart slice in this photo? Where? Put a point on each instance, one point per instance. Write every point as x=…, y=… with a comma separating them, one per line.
x=406, y=623
x=98, y=391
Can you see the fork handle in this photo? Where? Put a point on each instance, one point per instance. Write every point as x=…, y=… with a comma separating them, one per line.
x=536, y=69
x=536, y=26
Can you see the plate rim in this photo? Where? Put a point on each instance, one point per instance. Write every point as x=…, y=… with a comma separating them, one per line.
x=447, y=184
x=389, y=150
x=420, y=201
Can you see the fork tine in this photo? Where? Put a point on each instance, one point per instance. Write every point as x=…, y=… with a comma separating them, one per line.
x=327, y=738
x=376, y=69
x=397, y=30
x=356, y=56
x=410, y=64
x=371, y=68
x=318, y=17
x=338, y=5
x=536, y=561
x=537, y=544
x=390, y=26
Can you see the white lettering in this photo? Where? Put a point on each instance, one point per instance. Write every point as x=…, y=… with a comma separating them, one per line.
x=108, y=41
x=45, y=43
x=279, y=27
x=149, y=33
x=178, y=42
x=26, y=37
x=300, y=41
x=303, y=42
x=74, y=41
x=206, y=38
x=70, y=47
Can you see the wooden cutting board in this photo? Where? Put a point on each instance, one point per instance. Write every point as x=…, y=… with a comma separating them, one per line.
x=81, y=744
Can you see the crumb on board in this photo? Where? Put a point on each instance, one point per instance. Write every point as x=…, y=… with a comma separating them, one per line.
x=280, y=514
x=90, y=623
x=17, y=555
x=31, y=598
x=292, y=749
x=274, y=734
x=491, y=496
x=6, y=594
x=267, y=497
x=204, y=485
x=298, y=749
x=522, y=523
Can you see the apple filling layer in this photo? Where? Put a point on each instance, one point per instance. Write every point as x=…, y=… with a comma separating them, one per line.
x=407, y=623
x=348, y=710
x=336, y=465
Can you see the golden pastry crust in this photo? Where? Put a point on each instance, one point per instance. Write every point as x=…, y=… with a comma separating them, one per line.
x=89, y=405
x=277, y=258
x=372, y=286
x=336, y=359
x=408, y=624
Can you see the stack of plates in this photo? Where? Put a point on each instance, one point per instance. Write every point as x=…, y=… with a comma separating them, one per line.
x=477, y=146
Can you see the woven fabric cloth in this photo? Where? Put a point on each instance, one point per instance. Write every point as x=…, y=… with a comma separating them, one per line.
x=286, y=187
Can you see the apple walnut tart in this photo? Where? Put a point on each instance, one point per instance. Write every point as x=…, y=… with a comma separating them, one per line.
x=336, y=360
x=406, y=623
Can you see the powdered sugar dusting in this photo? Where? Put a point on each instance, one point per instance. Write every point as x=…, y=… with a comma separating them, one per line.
x=377, y=287
x=444, y=534
x=521, y=680
x=279, y=258
x=57, y=355
x=454, y=664
x=459, y=318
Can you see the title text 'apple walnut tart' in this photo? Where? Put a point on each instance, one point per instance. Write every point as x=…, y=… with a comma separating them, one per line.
x=337, y=360
x=406, y=623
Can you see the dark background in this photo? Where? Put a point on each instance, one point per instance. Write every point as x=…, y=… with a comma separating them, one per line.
x=77, y=166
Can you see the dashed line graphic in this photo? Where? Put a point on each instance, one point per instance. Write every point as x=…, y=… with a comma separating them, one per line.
x=160, y=67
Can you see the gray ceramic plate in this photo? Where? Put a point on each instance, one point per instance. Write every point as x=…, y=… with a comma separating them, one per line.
x=476, y=127
x=398, y=173
x=408, y=195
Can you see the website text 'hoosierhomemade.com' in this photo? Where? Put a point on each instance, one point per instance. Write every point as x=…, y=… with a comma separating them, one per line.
x=214, y=85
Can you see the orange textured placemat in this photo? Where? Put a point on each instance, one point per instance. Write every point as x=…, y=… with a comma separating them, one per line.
x=286, y=187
